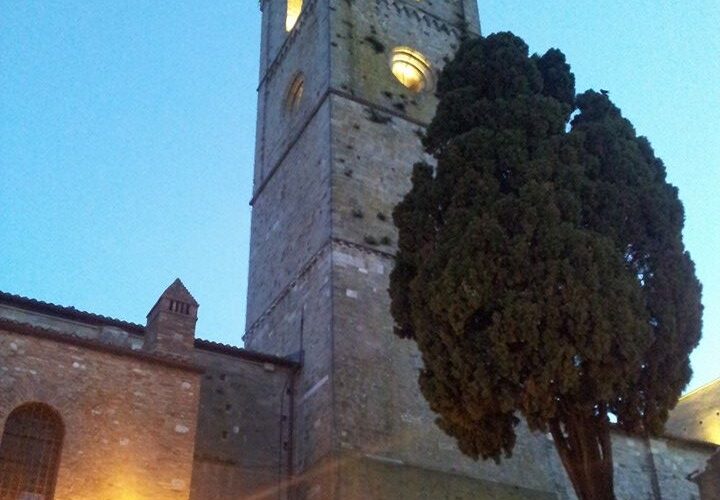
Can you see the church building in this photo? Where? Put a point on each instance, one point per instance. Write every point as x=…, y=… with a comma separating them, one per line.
x=322, y=400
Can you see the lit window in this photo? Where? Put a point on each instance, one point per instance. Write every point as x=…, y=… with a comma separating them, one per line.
x=294, y=7
x=30, y=452
x=295, y=92
x=412, y=69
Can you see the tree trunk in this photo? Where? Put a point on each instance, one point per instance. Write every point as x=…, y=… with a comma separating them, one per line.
x=583, y=443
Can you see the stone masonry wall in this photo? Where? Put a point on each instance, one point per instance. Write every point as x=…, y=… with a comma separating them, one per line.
x=114, y=334
x=675, y=461
x=381, y=411
x=243, y=435
x=304, y=52
x=370, y=478
x=372, y=163
x=697, y=415
x=299, y=324
x=364, y=34
x=326, y=181
x=129, y=422
x=291, y=218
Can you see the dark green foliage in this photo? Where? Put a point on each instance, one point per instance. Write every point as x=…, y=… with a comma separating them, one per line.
x=541, y=272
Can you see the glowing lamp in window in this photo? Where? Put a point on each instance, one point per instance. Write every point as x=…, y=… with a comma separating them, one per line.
x=294, y=7
x=412, y=69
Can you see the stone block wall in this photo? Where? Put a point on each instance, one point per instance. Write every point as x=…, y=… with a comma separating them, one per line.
x=381, y=411
x=304, y=51
x=290, y=218
x=125, y=334
x=363, y=36
x=299, y=324
x=675, y=462
x=697, y=415
x=129, y=421
x=326, y=180
x=372, y=164
x=369, y=477
x=243, y=436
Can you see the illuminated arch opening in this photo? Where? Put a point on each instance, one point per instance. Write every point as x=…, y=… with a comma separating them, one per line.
x=30, y=452
x=295, y=93
x=412, y=69
x=294, y=7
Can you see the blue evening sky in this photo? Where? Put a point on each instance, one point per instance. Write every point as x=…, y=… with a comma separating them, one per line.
x=127, y=138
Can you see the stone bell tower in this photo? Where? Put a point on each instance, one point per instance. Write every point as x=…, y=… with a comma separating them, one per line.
x=346, y=89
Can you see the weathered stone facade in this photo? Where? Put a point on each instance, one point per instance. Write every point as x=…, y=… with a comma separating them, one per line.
x=146, y=416
x=243, y=439
x=327, y=176
x=231, y=423
x=698, y=415
x=324, y=404
x=129, y=419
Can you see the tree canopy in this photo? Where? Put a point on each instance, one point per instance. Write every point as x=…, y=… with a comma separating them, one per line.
x=540, y=267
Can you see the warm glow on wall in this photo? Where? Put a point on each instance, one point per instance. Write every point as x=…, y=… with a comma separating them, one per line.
x=294, y=7
x=411, y=69
x=711, y=432
x=124, y=484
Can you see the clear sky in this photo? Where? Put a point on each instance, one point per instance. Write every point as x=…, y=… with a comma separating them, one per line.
x=127, y=139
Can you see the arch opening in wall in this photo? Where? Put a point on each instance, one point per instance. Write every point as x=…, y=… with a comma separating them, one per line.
x=294, y=8
x=30, y=452
x=412, y=69
x=295, y=93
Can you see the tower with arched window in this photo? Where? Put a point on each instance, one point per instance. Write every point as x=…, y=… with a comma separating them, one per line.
x=346, y=89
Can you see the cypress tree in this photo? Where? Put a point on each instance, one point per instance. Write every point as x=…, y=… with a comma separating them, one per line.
x=540, y=268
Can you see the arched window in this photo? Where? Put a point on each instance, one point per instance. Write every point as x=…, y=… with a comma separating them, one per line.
x=30, y=453
x=412, y=69
x=294, y=7
x=295, y=93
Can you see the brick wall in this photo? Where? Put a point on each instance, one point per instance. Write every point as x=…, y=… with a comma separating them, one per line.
x=129, y=421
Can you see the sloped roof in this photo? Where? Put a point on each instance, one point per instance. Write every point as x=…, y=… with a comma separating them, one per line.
x=66, y=312
x=177, y=290
x=71, y=313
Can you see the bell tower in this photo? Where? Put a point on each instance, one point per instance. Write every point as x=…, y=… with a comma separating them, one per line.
x=346, y=89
